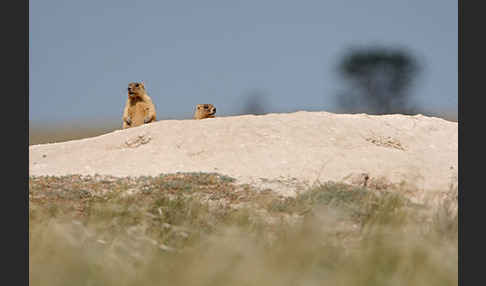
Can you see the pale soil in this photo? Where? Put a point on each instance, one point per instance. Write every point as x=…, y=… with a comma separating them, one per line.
x=280, y=151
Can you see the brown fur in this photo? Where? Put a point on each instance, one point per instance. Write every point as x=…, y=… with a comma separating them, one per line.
x=139, y=108
x=204, y=111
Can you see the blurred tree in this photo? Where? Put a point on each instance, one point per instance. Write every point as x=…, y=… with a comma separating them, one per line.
x=380, y=79
x=254, y=102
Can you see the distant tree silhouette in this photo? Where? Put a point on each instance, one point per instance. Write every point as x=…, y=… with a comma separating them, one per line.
x=380, y=80
x=254, y=102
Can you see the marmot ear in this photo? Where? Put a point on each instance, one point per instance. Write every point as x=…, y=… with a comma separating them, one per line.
x=142, y=83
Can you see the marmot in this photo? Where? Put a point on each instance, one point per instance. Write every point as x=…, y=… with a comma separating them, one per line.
x=204, y=111
x=139, y=108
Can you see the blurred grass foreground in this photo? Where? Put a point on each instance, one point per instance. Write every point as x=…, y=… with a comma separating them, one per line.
x=204, y=229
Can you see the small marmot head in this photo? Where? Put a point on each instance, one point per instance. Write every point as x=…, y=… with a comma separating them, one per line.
x=136, y=89
x=205, y=111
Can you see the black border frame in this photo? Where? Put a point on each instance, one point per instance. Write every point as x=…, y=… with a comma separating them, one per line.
x=15, y=198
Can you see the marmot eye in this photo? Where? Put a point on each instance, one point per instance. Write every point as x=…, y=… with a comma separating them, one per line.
x=137, y=85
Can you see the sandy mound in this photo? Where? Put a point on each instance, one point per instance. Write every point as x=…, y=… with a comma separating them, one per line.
x=292, y=148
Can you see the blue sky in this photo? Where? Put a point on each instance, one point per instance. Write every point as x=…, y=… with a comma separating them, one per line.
x=84, y=53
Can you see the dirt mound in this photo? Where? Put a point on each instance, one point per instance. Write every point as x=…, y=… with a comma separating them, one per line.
x=275, y=150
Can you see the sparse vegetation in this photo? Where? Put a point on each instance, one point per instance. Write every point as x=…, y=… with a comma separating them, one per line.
x=204, y=229
x=53, y=133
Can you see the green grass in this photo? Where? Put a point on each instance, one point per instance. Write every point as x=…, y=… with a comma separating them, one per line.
x=204, y=229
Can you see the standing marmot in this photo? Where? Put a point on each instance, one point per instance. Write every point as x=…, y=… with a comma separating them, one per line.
x=204, y=111
x=139, y=108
